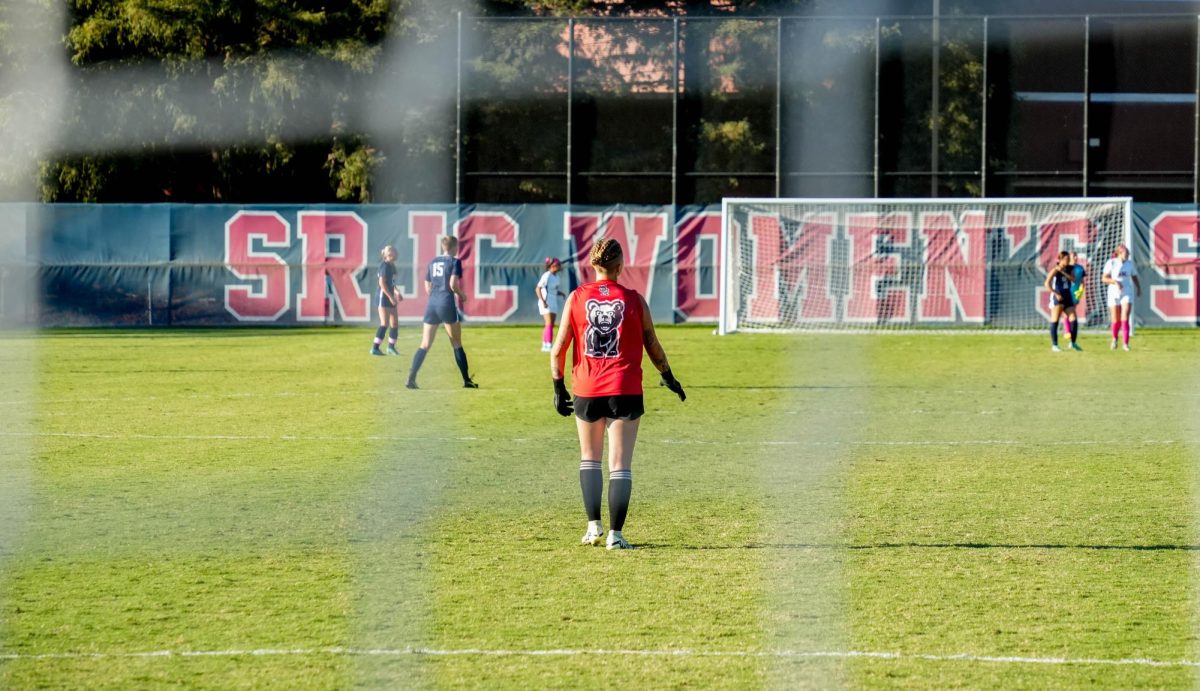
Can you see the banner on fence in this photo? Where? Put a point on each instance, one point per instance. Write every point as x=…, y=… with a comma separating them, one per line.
x=167, y=264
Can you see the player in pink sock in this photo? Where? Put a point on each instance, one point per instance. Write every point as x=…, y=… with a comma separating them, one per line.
x=1120, y=274
x=550, y=297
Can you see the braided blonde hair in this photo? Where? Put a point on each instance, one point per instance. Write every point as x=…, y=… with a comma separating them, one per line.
x=607, y=254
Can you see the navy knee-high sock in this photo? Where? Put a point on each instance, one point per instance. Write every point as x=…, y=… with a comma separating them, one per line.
x=460, y=359
x=418, y=360
x=591, y=482
x=1054, y=333
x=392, y=333
x=379, y=334
x=620, y=486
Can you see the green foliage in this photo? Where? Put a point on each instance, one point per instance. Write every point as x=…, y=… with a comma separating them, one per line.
x=225, y=87
x=287, y=68
x=961, y=115
x=350, y=166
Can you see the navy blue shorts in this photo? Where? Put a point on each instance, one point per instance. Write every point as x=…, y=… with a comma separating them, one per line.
x=629, y=407
x=441, y=312
x=1055, y=300
x=386, y=301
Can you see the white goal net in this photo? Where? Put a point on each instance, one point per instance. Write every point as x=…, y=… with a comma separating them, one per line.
x=795, y=264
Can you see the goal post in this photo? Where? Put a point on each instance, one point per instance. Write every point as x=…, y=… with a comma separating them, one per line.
x=865, y=264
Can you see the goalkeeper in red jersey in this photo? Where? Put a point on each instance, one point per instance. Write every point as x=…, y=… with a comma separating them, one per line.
x=607, y=326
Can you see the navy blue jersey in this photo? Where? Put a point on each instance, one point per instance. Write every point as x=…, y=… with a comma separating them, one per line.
x=1060, y=286
x=387, y=271
x=439, y=272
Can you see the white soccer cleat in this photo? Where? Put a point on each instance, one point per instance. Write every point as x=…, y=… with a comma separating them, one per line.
x=1055, y=349
x=1126, y=347
x=591, y=537
x=617, y=541
x=1113, y=345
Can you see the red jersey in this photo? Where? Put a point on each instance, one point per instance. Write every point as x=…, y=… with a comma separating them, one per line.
x=606, y=320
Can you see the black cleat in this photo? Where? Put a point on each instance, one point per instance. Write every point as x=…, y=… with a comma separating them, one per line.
x=410, y=384
x=376, y=351
x=470, y=384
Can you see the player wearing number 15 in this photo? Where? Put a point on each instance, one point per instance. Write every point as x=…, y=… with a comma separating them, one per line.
x=607, y=325
x=443, y=281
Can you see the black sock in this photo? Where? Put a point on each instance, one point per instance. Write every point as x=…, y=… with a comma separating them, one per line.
x=418, y=360
x=392, y=333
x=1054, y=333
x=379, y=334
x=620, y=486
x=460, y=358
x=591, y=481
x=1073, y=328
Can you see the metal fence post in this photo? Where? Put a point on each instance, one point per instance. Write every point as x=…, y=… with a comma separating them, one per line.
x=935, y=99
x=875, y=145
x=779, y=107
x=675, y=114
x=1087, y=98
x=1196, y=123
x=458, y=117
x=570, y=102
x=983, y=163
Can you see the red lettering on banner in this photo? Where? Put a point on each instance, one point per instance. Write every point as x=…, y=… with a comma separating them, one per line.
x=1053, y=233
x=867, y=302
x=424, y=228
x=695, y=231
x=267, y=298
x=765, y=234
x=804, y=266
x=641, y=246
x=497, y=302
x=782, y=271
x=955, y=267
x=1018, y=228
x=337, y=271
x=1176, y=239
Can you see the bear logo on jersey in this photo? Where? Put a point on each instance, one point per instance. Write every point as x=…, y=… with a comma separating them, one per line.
x=601, y=337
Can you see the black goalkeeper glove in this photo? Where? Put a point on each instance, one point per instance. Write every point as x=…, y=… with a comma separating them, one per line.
x=562, y=399
x=673, y=384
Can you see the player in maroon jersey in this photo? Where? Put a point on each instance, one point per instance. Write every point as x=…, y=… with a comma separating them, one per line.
x=609, y=325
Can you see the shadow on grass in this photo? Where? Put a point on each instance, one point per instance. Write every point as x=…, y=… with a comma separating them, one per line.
x=798, y=387
x=938, y=545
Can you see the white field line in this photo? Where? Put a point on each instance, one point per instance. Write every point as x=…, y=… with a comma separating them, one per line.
x=570, y=652
x=550, y=440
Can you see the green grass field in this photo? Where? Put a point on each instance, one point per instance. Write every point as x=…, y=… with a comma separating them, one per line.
x=272, y=509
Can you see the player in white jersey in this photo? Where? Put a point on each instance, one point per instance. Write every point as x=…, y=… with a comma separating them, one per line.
x=1120, y=275
x=550, y=297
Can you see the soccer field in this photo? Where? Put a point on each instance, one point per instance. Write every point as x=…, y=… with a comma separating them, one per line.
x=273, y=509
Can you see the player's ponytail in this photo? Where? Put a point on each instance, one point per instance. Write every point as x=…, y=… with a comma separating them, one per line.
x=607, y=254
x=449, y=245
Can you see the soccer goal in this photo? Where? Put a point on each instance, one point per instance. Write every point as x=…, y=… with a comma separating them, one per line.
x=849, y=264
